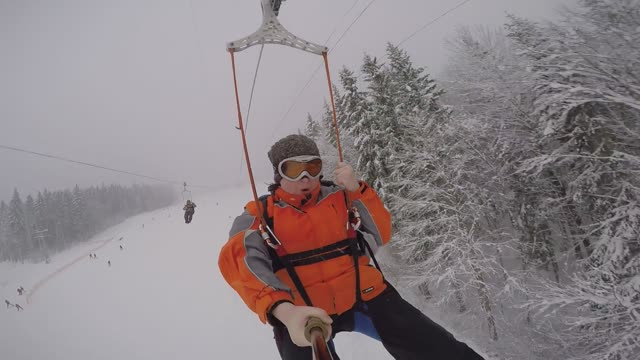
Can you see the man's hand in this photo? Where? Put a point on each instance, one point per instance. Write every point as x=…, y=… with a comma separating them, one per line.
x=346, y=177
x=295, y=319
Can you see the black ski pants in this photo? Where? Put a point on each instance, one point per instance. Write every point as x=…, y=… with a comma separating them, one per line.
x=405, y=332
x=188, y=215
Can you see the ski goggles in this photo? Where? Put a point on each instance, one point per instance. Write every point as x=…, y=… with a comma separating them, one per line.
x=297, y=167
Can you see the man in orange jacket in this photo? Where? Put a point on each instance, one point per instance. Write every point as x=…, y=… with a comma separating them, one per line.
x=315, y=265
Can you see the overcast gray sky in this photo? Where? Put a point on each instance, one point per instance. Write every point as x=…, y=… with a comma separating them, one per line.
x=145, y=86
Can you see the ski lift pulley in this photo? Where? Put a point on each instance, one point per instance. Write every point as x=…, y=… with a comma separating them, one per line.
x=186, y=194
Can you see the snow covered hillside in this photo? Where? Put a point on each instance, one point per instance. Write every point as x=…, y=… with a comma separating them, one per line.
x=162, y=297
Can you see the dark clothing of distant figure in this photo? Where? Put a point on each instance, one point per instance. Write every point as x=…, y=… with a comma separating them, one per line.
x=189, y=209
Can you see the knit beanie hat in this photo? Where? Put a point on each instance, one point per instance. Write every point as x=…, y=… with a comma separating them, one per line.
x=290, y=146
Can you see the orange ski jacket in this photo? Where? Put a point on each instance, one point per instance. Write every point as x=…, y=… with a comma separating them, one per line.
x=303, y=224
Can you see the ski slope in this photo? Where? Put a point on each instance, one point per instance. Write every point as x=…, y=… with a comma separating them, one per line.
x=162, y=298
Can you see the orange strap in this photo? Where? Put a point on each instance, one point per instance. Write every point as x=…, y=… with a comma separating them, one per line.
x=333, y=105
x=244, y=140
x=335, y=119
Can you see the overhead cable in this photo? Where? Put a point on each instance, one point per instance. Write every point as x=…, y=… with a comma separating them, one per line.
x=284, y=117
x=180, y=183
x=432, y=22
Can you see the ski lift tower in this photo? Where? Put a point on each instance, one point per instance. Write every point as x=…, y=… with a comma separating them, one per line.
x=40, y=235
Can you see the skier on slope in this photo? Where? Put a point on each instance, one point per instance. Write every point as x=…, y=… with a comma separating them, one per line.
x=311, y=271
x=189, y=209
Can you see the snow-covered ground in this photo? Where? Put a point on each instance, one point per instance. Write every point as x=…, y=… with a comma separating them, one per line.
x=162, y=298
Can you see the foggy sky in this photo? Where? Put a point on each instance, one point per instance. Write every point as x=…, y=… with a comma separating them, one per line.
x=146, y=86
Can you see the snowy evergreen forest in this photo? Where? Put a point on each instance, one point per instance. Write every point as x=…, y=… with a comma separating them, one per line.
x=514, y=179
x=33, y=229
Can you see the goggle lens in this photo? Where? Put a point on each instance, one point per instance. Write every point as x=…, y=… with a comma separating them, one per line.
x=293, y=169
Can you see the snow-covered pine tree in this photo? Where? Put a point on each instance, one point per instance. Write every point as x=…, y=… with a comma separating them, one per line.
x=17, y=227
x=415, y=91
x=490, y=87
x=346, y=139
x=78, y=212
x=377, y=129
x=312, y=128
x=39, y=209
x=5, y=253
x=40, y=224
x=318, y=132
x=439, y=217
x=49, y=218
x=29, y=220
x=326, y=123
x=67, y=217
x=588, y=78
x=354, y=104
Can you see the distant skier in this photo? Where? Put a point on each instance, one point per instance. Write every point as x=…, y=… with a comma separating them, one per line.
x=18, y=307
x=109, y=262
x=121, y=248
x=189, y=209
x=20, y=290
x=8, y=303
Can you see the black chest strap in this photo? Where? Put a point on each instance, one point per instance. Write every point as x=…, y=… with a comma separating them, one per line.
x=277, y=262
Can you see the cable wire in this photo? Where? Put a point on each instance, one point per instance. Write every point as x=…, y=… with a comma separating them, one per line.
x=293, y=104
x=351, y=25
x=359, y=76
x=432, y=22
x=253, y=87
x=180, y=183
x=340, y=21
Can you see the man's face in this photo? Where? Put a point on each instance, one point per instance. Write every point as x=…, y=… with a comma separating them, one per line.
x=301, y=187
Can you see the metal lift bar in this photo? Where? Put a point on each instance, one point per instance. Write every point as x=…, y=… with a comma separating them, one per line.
x=272, y=32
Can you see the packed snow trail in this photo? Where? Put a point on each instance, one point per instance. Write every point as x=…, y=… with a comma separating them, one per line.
x=162, y=298
x=49, y=277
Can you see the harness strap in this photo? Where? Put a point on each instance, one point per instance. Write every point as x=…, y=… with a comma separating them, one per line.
x=355, y=246
x=361, y=242
x=355, y=255
x=277, y=261
x=292, y=274
x=341, y=248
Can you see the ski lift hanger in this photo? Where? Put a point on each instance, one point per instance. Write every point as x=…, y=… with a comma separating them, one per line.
x=272, y=32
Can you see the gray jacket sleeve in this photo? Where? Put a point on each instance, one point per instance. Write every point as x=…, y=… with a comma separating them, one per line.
x=257, y=258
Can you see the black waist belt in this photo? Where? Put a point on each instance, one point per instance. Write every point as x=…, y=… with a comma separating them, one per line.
x=340, y=248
